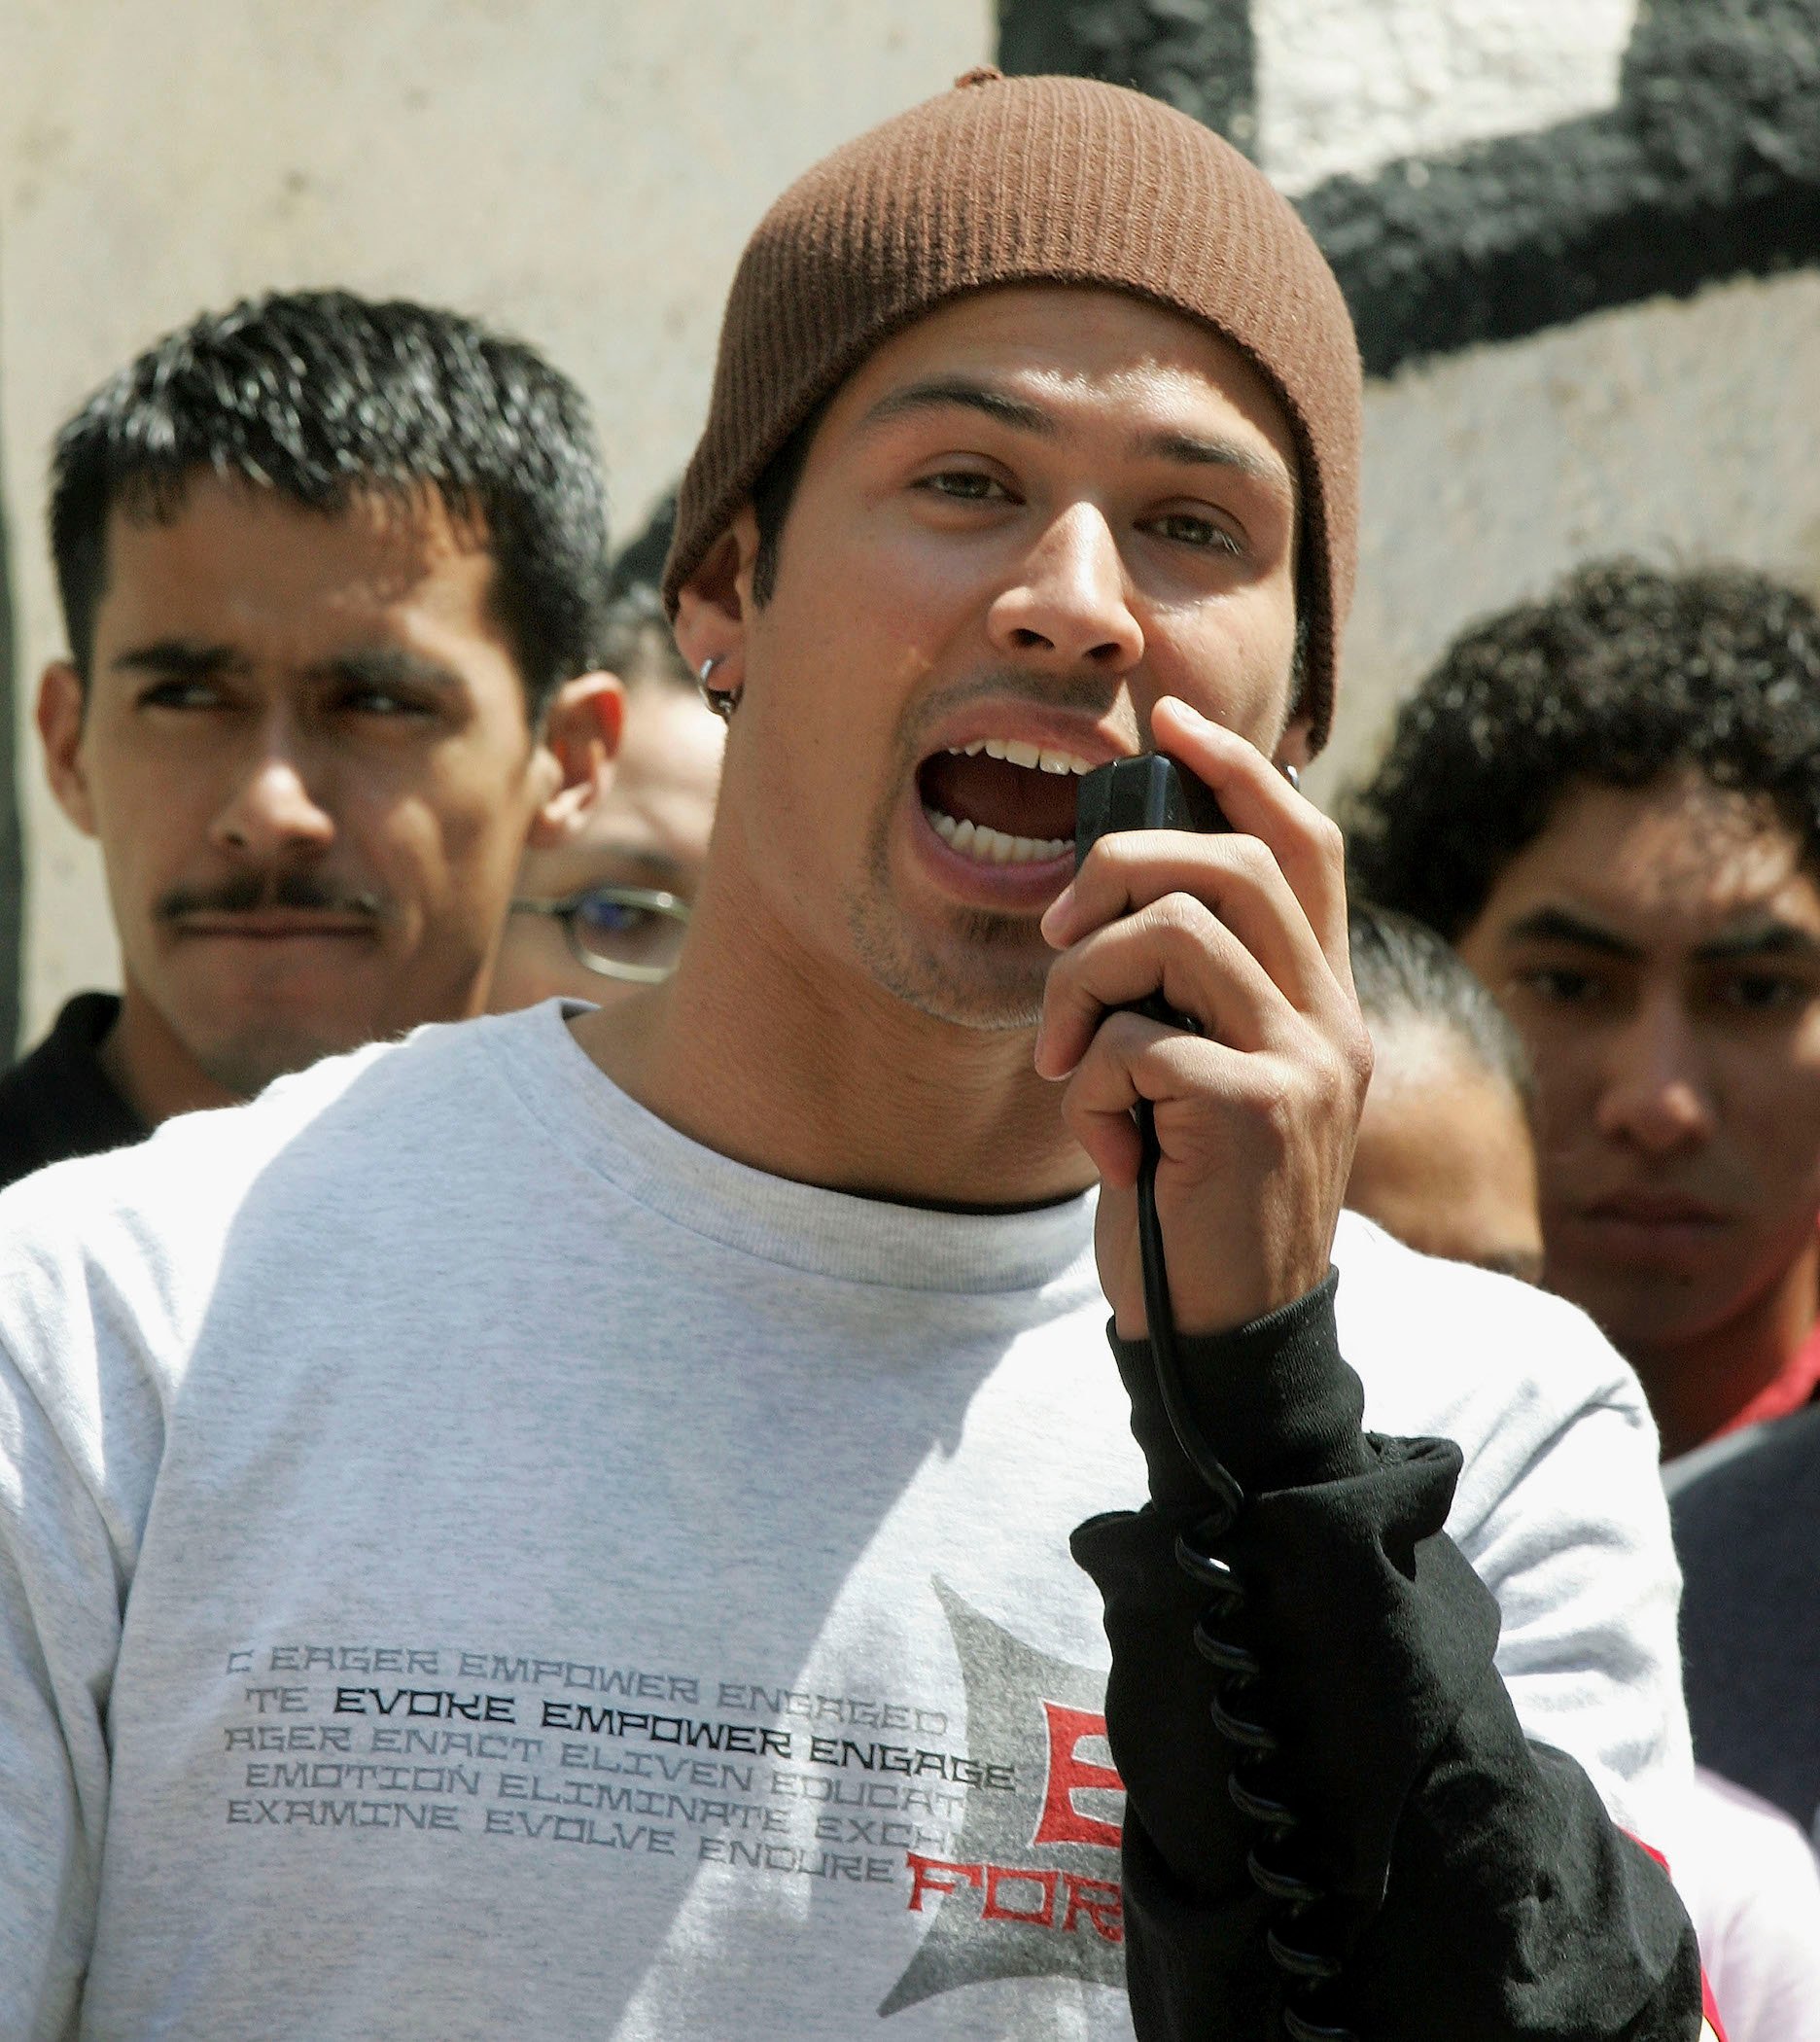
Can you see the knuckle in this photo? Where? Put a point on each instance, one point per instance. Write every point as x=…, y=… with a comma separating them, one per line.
x=1352, y=1056
x=1108, y=865
x=1181, y=921
x=1254, y=861
x=1273, y=1096
x=1333, y=1070
x=1281, y=1104
x=1122, y=1038
x=1328, y=838
x=1062, y=985
x=1087, y=1082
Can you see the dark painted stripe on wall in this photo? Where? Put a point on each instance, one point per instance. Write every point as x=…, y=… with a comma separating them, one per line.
x=1707, y=168
x=1198, y=54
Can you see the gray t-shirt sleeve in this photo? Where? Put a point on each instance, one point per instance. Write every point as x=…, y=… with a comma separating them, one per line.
x=59, y=1633
x=81, y=1434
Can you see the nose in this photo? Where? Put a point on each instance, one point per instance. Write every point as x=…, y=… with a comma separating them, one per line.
x=1069, y=604
x=272, y=812
x=1656, y=1094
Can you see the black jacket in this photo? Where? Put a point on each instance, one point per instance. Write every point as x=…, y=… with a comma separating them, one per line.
x=1750, y=1613
x=1480, y=1890
x=57, y=1103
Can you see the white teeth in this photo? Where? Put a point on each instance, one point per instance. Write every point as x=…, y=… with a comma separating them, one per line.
x=1014, y=752
x=993, y=847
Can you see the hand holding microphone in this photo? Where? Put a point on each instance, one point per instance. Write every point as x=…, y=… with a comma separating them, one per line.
x=1241, y=933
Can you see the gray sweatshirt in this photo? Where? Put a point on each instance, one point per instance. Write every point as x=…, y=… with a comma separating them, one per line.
x=472, y=1560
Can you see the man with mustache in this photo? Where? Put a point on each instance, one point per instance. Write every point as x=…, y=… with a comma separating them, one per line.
x=331, y=574
x=598, y=1498
x=1610, y=801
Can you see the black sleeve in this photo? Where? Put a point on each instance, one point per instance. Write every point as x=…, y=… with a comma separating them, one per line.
x=1480, y=1889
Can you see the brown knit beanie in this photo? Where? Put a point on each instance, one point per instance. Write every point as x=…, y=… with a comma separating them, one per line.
x=1036, y=181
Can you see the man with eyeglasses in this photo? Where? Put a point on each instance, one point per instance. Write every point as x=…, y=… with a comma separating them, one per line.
x=602, y=909
x=330, y=635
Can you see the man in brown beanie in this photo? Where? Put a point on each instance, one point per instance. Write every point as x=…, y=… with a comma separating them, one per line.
x=627, y=1589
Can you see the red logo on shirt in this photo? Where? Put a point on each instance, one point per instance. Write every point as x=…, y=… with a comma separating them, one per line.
x=1029, y=1886
x=1063, y=1820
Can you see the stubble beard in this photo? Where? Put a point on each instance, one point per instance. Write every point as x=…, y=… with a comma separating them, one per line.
x=984, y=970
x=982, y=976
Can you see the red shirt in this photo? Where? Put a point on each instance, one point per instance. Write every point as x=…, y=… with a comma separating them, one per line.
x=1787, y=1392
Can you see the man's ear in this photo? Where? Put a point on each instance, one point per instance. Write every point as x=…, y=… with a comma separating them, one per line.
x=715, y=605
x=1292, y=747
x=581, y=732
x=62, y=700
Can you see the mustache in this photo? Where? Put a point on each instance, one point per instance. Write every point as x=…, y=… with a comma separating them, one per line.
x=1088, y=692
x=246, y=893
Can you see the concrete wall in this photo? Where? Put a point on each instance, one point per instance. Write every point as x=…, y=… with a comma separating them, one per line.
x=1683, y=431
x=1579, y=237
x=581, y=171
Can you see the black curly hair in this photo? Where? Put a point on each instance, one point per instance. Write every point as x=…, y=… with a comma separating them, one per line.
x=1624, y=674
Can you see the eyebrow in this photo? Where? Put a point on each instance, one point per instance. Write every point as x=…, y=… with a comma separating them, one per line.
x=386, y=666
x=1763, y=937
x=657, y=869
x=1556, y=925
x=1768, y=938
x=367, y=666
x=181, y=659
x=945, y=392
x=1184, y=450
x=1187, y=450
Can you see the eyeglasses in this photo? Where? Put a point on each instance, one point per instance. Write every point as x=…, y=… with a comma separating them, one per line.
x=621, y=932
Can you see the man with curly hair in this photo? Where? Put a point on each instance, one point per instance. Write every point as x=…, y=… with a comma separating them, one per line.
x=1610, y=801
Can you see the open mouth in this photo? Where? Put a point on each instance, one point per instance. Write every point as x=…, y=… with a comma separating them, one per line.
x=1001, y=802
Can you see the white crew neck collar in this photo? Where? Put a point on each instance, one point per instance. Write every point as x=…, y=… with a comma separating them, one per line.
x=801, y=1227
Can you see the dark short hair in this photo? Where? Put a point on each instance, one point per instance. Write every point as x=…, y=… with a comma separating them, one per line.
x=637, y=642
x=772, y=496
x=318, y=395
x=1624, y=674
x=640, y=563
x=1405, y=973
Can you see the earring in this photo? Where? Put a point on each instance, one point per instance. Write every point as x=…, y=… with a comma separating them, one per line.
x=1290, y=774
x=724, y=701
